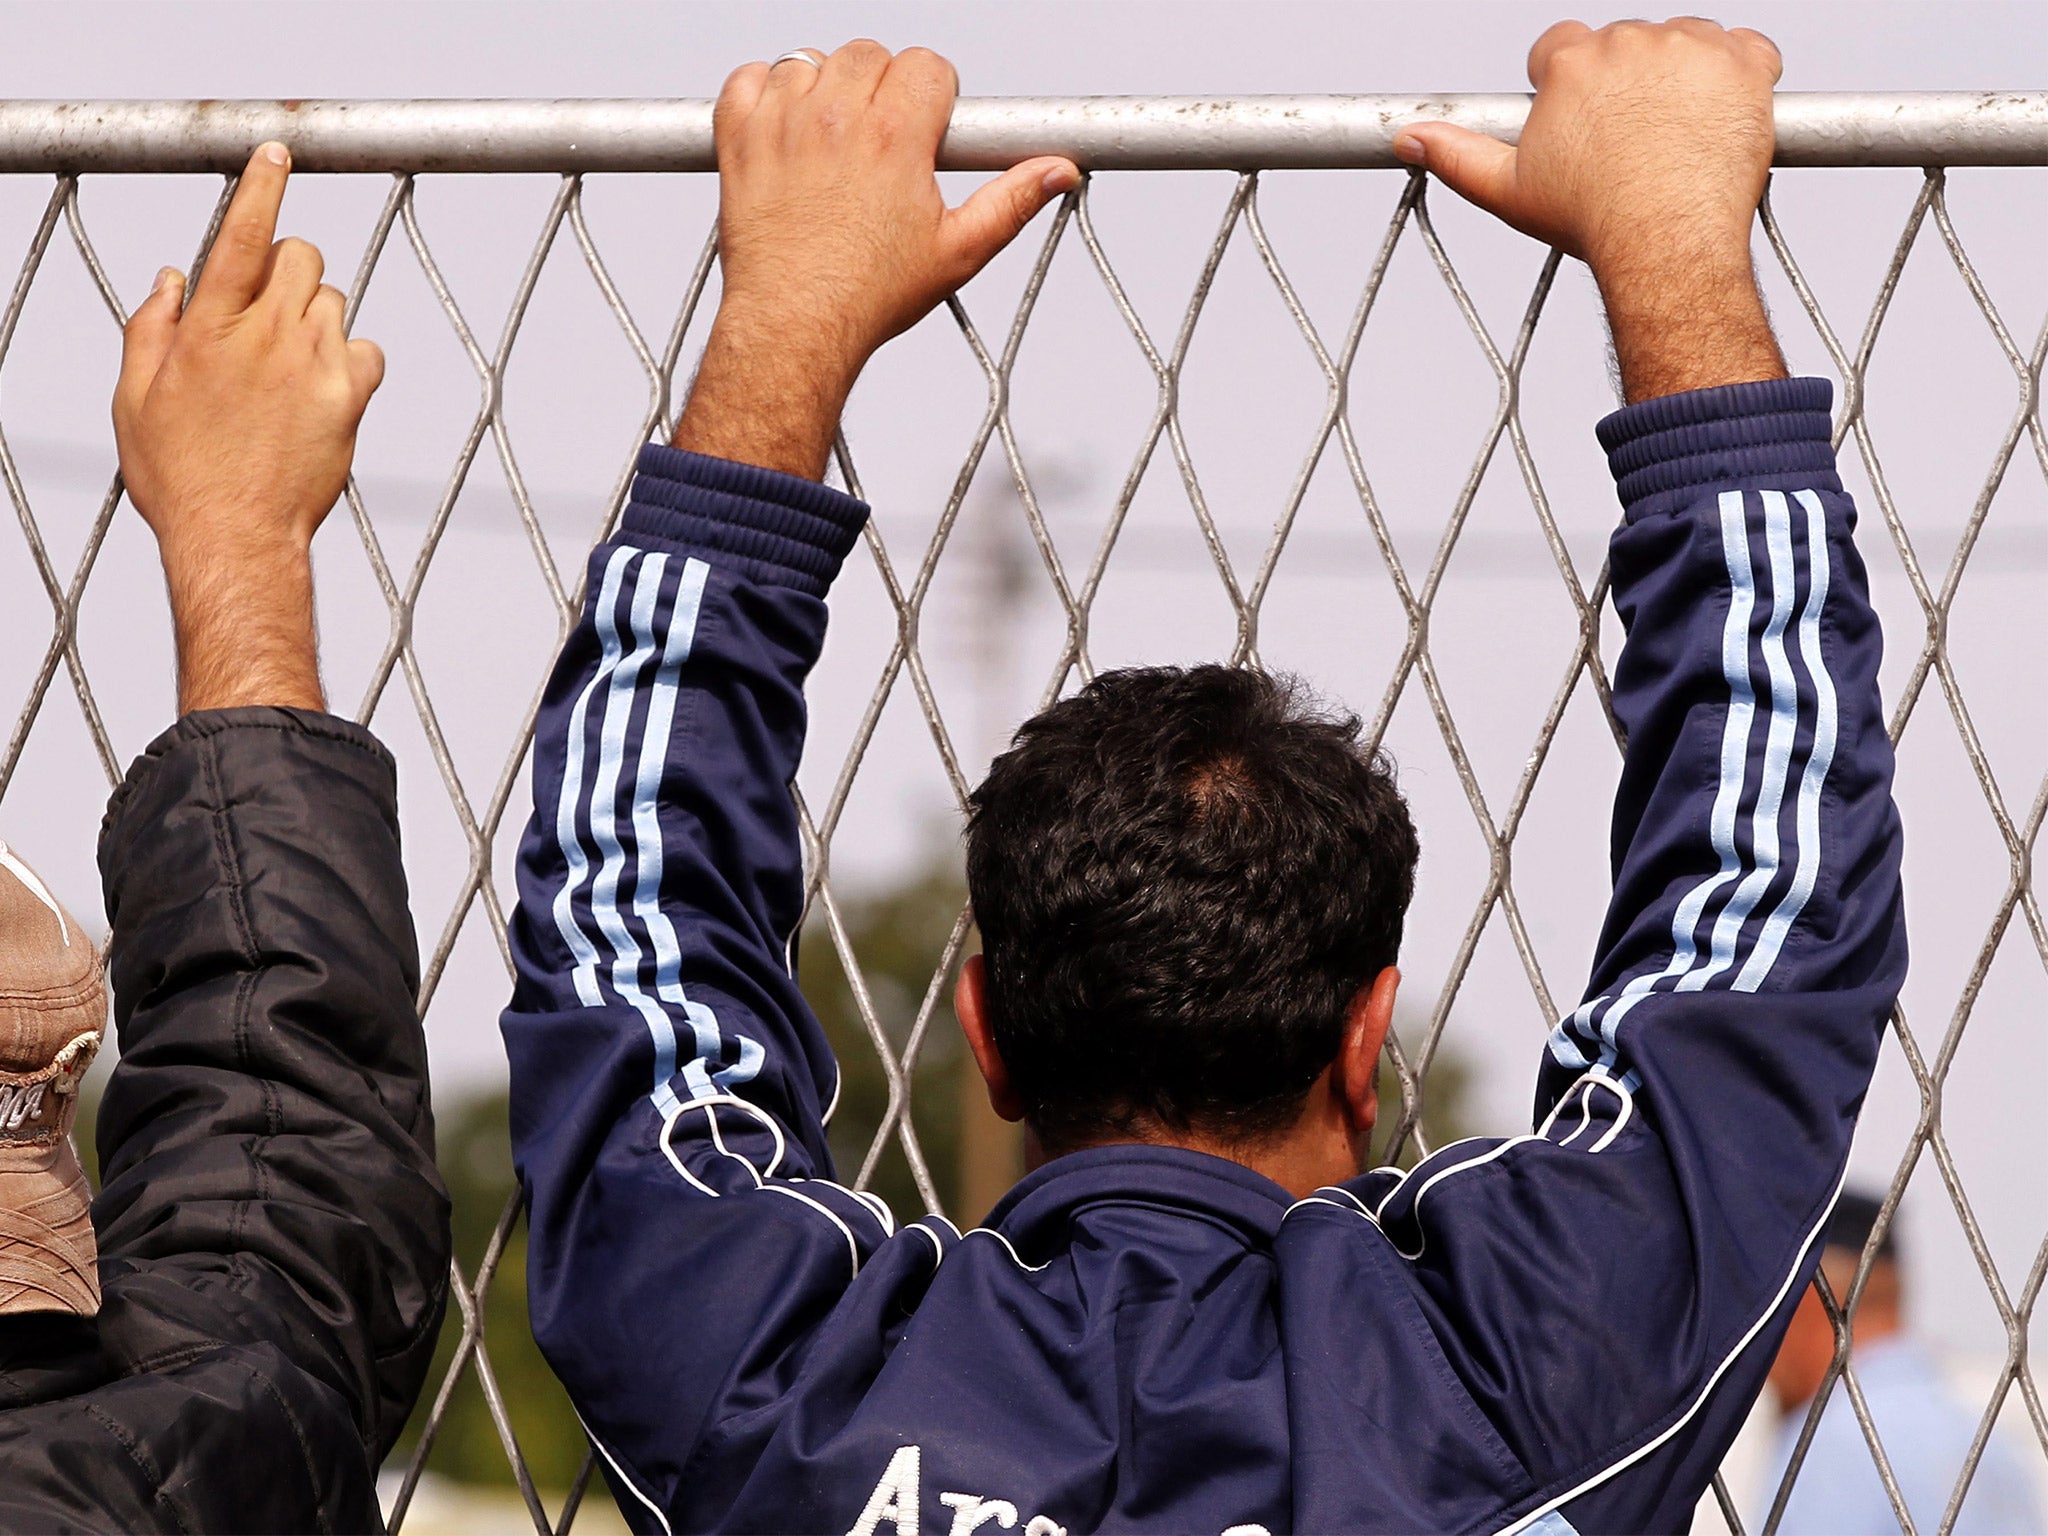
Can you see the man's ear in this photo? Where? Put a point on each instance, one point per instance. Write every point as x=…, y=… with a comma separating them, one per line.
x=1366, y=1024
x=970, y=1002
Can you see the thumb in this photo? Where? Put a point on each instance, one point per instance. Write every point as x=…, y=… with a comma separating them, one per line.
x=998, y=211
x=146, y=339
x=1479, y=169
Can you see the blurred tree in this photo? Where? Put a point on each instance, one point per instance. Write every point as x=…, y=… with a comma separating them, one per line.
x=476, y=1160
x=1443, y=1095
x=898, y=937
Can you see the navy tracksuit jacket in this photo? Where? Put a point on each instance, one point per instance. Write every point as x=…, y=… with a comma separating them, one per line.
x=1555, y=1332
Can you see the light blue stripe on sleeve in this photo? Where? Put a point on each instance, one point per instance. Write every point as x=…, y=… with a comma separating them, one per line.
x=1814, y=777
x=575, y=749
x=661, y=933
x=1735, y=731
x=604, y=814
x=1765, y=852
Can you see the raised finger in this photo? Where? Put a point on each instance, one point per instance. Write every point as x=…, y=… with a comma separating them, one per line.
x=236, y=265
x=1554, y=40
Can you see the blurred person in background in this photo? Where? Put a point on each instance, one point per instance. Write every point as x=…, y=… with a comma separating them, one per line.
x=272, y=1235
x=1196, y=1312
x=1925, y=1427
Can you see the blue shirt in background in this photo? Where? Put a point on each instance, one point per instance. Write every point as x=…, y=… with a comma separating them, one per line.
x=1926, y=1431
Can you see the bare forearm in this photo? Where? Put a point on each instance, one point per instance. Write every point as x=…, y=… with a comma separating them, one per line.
x=767, y=393
x=245, y=632
x=1683, y=323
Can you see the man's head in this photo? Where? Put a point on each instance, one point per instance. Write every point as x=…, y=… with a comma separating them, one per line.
x=1809, y=1347
x=1188, y=883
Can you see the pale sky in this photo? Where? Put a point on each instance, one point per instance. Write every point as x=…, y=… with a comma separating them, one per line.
x=1942, y=396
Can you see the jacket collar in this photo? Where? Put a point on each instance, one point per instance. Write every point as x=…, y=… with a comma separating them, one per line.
x=1035, y=1215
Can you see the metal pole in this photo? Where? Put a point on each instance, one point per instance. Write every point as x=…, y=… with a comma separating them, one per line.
x=1122, y=133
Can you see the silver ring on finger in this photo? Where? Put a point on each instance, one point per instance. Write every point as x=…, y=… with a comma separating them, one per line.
x=796, y=53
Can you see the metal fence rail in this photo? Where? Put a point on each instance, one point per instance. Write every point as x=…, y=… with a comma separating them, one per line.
x=1248, y=136
x=1100, y=133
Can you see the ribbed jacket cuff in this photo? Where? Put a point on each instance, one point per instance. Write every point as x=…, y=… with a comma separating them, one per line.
x=772, y=527
x=1775, y=434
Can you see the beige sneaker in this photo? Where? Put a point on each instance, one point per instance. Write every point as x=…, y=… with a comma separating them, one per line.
x=53, y=1011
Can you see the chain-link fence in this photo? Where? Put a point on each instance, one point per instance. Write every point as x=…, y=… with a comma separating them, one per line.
x=1385, y=483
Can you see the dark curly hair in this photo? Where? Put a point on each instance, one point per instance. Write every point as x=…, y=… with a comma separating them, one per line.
x=1182, y=877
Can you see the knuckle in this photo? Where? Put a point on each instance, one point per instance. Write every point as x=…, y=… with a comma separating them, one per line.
x=740, y=84
x=924, y=87
x=1759, y=43
x=245, y=239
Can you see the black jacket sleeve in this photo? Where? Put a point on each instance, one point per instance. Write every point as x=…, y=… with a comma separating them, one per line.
x=266, y=1143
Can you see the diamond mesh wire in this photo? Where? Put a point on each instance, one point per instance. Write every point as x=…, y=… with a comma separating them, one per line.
x=1161, y=454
